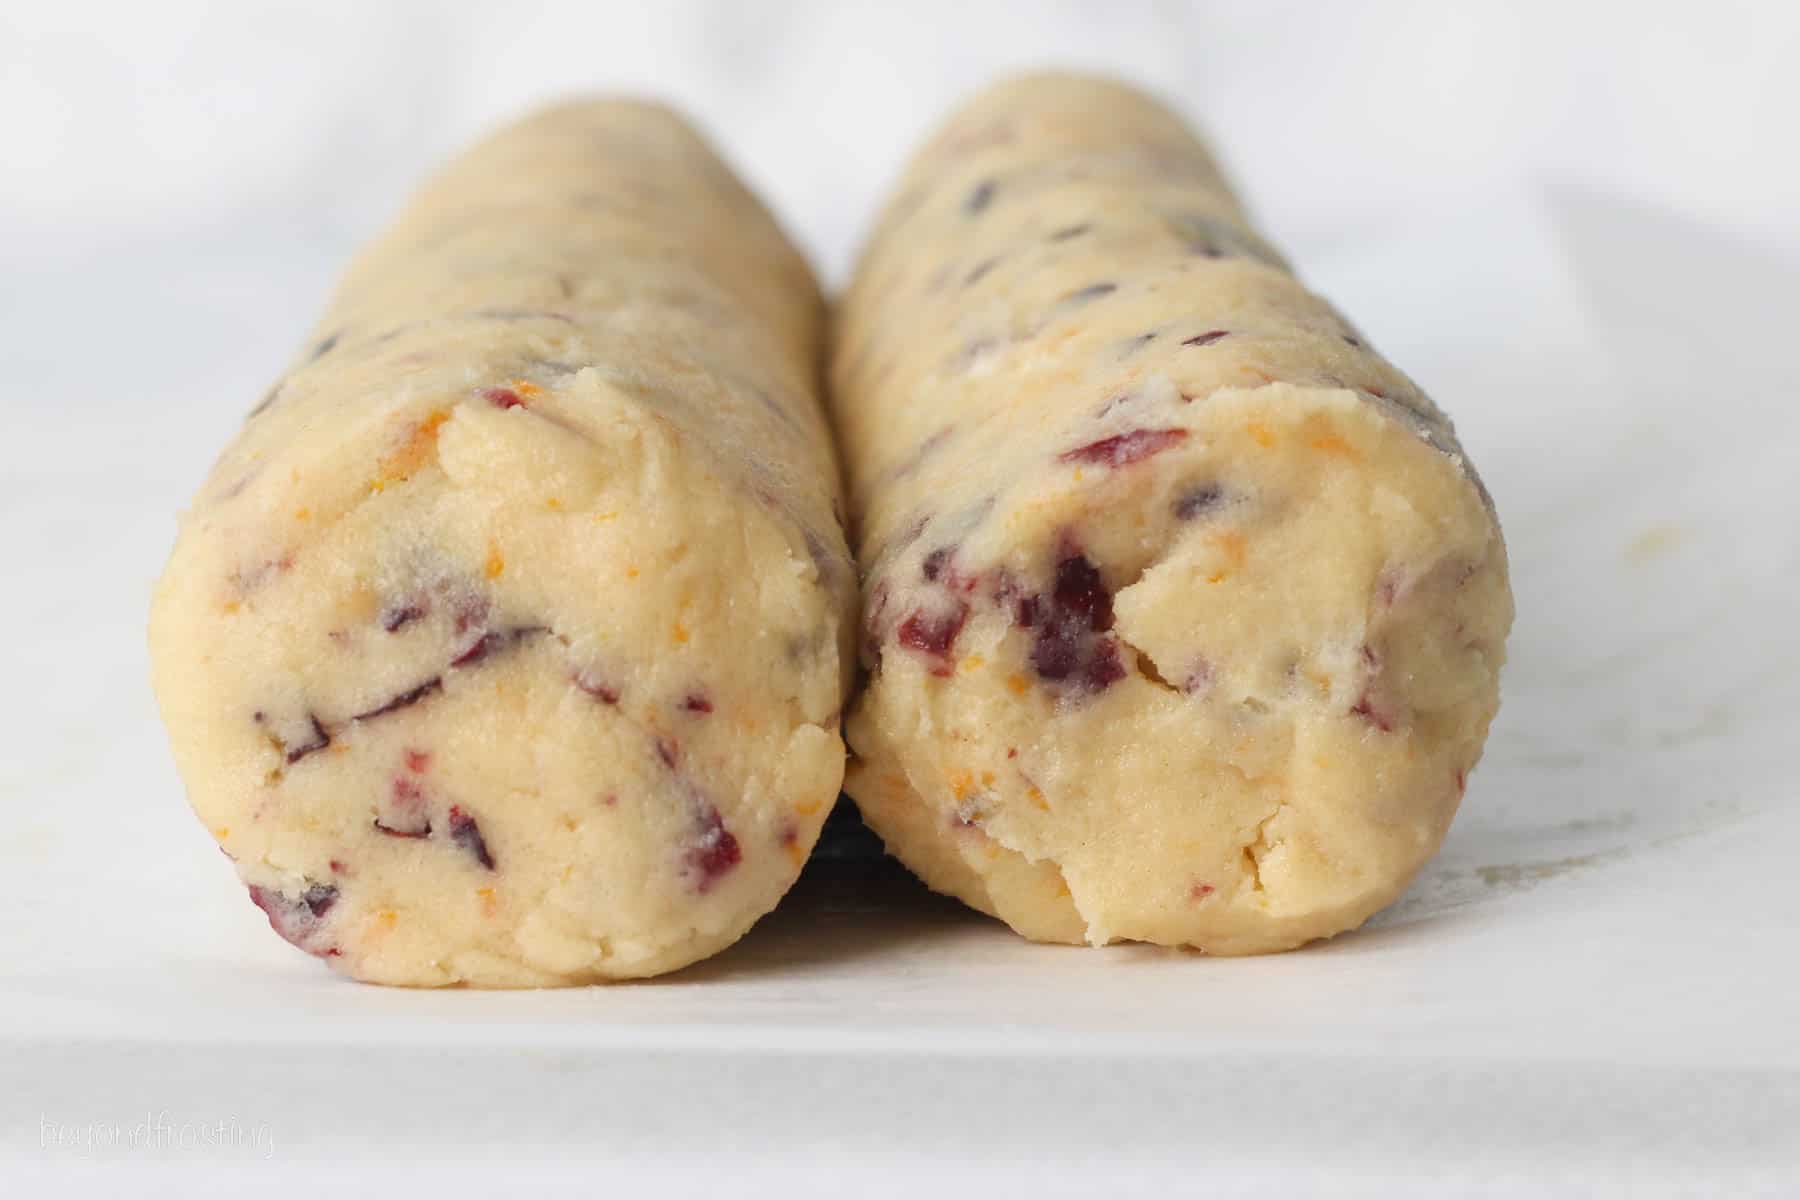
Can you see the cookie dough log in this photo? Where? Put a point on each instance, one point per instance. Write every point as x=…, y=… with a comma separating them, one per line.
x=506, y=644
x=1183, y=610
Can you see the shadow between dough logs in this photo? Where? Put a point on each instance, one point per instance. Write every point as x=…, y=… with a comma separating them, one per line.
x=852, y=901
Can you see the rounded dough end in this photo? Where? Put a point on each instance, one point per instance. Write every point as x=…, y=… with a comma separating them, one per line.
x=1226, y=696
x=502, y=695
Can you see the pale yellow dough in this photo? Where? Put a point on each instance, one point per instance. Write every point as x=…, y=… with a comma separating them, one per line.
x=506, y=644
x=1184, y=612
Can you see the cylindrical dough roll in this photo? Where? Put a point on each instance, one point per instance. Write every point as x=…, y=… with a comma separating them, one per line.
x=1183, y=611
x=506, y=645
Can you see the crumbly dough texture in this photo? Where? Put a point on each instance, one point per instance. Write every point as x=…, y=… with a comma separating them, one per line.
x=506, y=644
x=1183, y=611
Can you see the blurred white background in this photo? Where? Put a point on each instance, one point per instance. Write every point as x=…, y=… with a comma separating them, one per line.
x=268, y=121
x=1574, y=222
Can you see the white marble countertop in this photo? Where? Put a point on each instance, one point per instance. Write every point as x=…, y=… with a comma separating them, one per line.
x=1589, y=258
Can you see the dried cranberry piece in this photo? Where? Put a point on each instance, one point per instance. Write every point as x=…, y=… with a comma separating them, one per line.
x=317, y=742
x=404, y=700
x=405, y=816
x=298, y=918
x=1103, y=667
x=591, y=683
x=1198, y=500
x=1365, y=708
x=1055, y=654
x=714, y=850
x=399, y=616
x=1065, y=646
x=466, y=833
x=980, y=197
x=1092, y=291
x=1081, y=592
x=936, y=561
x=479, y=649
x=980, y=271
x=933, y=634
x=493, y=641
x=1123, y=449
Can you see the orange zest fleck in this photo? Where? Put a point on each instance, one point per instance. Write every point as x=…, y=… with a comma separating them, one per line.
x=681, y=632
x=1235, y=548
x=420, y=445
x=1260, y=434
x=1331, y=443
x=962, y=783
x=495, y=563
x=1016, y=684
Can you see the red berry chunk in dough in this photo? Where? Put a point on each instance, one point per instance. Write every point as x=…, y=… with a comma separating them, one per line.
x=405, y=699
x=1366, y=709
x=1081, y=593
x=980, y=197
x=933, y=634
x=298, y=919
x=398, y=616
x=405, y=814
x=467, y=834
x=1103, y=666
x=1198, y=501
x=714, y=851
x=1068, y=646
x=1123, y=449
x=594, y=686
x=317, y=740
